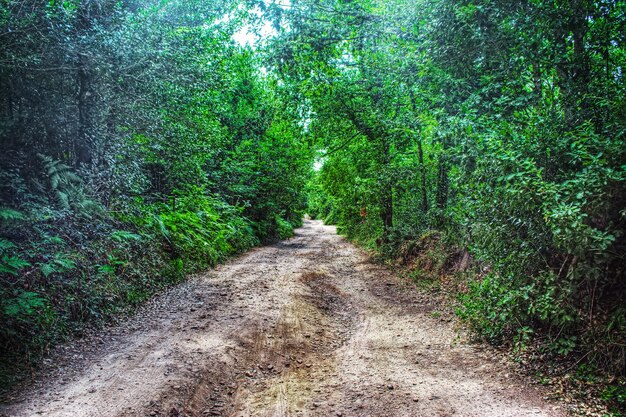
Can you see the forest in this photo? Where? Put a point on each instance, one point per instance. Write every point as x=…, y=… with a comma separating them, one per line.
x=142, y=142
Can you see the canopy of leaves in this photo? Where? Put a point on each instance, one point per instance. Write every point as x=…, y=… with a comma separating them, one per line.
x=499, y=125
x=139, y=143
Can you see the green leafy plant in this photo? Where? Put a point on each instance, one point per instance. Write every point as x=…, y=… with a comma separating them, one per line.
x=10, y=262
x=24, y=305
x=9, y=215
x=123, y=236
x=59, y=264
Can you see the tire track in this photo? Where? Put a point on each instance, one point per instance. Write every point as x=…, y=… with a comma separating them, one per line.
x=305, y=327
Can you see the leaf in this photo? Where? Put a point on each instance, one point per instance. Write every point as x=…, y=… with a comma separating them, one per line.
x=65, y=264
x=54, y=240
x=7, y=214
x=60, y=264
x=123, y=236
x=47, y=269
x=63, y=199
x=6, y=244
x=25, y=304
x=12, y=264
x=106, y=269
x=55, y=179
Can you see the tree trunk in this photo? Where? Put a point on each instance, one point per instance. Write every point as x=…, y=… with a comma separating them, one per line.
x=442, y=183
x=83, y=155
x=420, y=155
x=386, y=213
x=85, y=95
x=387, y=193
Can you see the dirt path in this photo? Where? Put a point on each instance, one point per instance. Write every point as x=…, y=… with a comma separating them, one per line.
x=306, y=327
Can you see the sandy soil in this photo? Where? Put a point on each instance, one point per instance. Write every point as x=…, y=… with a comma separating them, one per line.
x=306, y=327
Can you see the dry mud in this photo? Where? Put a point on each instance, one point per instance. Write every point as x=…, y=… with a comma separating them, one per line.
x=306, y=327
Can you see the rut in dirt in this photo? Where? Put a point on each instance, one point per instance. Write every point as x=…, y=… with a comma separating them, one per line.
x=306, y=327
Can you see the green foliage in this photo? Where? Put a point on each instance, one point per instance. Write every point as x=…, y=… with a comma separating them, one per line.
x=284, y=228
x=67, y=187
x=199, y=230
x=9, y=215
x=615, y=394
x=59, y=264
x=25, y=304
x=25, y=313
x=10, y=261
x=500, y=125
x=123, y=236
x=12, y=264
x=154, y=146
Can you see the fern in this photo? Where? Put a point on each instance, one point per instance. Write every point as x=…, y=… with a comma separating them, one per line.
x=53, y=240
x=161, y=227
x=124, y=236
x=47, y=269
x=58, y=172
x=6, y=245
x=106, y=269
x=59, y=264
x=68, y=188
x=87, y=205
x=12, y=265
x=65, y=263
x=64, y=199
x=26, y=303
x=9, y=263
x=8, y=215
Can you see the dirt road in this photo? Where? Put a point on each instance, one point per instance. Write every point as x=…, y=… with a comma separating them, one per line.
x=306, y=327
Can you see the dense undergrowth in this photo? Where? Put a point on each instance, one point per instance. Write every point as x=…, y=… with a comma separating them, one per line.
x=497, y=127
x=151, y=149
x=580, y=359
x=65, y=270
x=141, y=143
x=583, y=370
